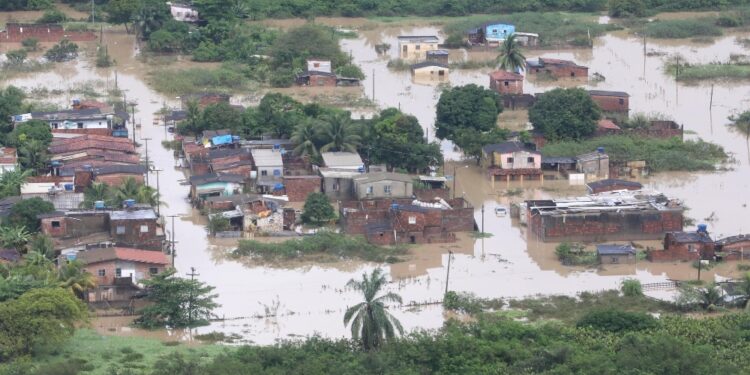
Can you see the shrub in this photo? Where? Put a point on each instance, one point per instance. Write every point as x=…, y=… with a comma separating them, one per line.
x=30, y=43
x=631, y=288
x=282, y=78
x=65, y=50
x=350, y=71
x=52, y=16
x=682, y=28
x=317, y=210
x=612, y=320
x=469, y=303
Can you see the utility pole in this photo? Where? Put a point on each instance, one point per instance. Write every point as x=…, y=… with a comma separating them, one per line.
x=93, y=16
x=448, y=273
x=158, y=193
x=148, y=166
x=173, y=249
x=192, y=275
x=132, y=110
x=482, y=218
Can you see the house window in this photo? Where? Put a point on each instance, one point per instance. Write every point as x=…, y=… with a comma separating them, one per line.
x=572, y=74
x=80, y=125
x=54, y=125
x=441, y=73
x=153, y=270
x=120, y=229
x=277, y=172
x=118, y=272
x=55, y=224
x=506, y=83
x=622, y=101
x=412, y=219
x=615, y=260
x=335, y=186
x=530, y=160
x=369, y=190
x=494, y=31
x=264, y=173
x=387, y=189
x=144, y=228
x=691, y=248
x=418, y=47
x=317, y=65
x=509, y=160
x=101, y=273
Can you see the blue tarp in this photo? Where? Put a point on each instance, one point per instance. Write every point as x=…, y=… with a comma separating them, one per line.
x=222, y=140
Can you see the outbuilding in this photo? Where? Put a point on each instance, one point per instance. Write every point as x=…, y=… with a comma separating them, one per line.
x=615, y=254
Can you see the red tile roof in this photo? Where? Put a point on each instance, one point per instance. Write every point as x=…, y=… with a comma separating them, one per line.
x=502, y=75
x=607, y=124
x=122, y=253
x=90, y=141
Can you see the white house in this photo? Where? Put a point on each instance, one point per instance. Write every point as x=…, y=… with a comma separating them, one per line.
x=89, y=118
x=183, y=12
x=269, y=163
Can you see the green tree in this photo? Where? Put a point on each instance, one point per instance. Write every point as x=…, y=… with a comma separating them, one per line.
x=305, y=136
x=32, y=155
x=471, y=141
x=221, y=116
x=317, y=209
x=14, y=237
x=613, y=320
x=350, y=71
x=30, y=43
x=466, y=107
x=177, y=302
x=11, y=103
x=72, y=276
x=11, y=182
x=131, y=189
x=742, y=292
x=661, y=354
x=631, y=288
x=563, y=114
x=397, y=140
x=371, y=323
x=24, y=213
x=39, y=317
x=339, y=134
x=291, y=49
x=121, y=12
x=42, y=244
x=150, y=17
x=510, y=57
x=98, y=191
x=16, y=57
x=218, y=223
x=63, y=51
x=278, y=114
x=627, y=8
x=29, y=130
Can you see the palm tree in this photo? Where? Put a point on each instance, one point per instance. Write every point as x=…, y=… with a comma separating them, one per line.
x=741, y=124
x=148, y=195
x=96, y=192
x=11, y=182
x=14, y=237
x=42, y=244
x=129, y=189
x=33, y=155
x=304, y=137
x=339, y=133
x=510, y=57
x=371, y=323
x=74, y=277
x=710, y=297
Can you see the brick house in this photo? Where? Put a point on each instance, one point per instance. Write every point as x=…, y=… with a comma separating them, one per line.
x=8, y=159
x=316, y=79
x=556, y=68
x=611, y=101
x=733, y=248
x=511, y=160
x=119, y=270
x=116, y=175
x=685, y=246
x=338, y=185
x=606, y=127
x=136, y=227
x=506, y=82
x=660, y=129
x=74, y=224
x=602, y=186
x=297, y=188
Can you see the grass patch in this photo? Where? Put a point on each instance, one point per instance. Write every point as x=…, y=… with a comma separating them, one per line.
x=554, y=28
x=688, y=28
x=326, y=245
x=571, y=309
x=228, y=77
x=214, y=337
x=659, y=154
x=699, y=72
x=469, y=303
x=98, y=355
x=575, y=255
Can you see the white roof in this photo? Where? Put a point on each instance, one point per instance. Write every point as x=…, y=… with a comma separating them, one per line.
x=267, y=157
x=347, y=160
x=337, y=173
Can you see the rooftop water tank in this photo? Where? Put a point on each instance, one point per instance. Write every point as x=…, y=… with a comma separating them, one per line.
x=68, y=187
x=702, y=228
x=600, y=150
x=129, y=203
x=99, y=205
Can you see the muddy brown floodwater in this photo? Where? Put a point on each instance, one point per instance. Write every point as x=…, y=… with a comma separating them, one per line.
x=267, y=303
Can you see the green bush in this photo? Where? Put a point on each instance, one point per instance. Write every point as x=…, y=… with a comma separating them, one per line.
x=469, y=303
x=52, y=16
x=631, y=288
x=613, y=320
x=687, y=28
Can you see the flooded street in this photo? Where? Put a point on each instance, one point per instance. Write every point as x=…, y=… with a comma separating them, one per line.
x=266, y=303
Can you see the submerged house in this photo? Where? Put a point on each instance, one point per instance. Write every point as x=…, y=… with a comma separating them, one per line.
x=214, y=184
x=383, y=185
x=611, y=101
x=594, y=165
x=430, y=70
x=556, y=68
x=506, y=83
x=615, y=254
x=606, y=185
x=614, y=216
x=438, y=55
x=511, y=160
x=490, y=33
x=685, y=246
x=415, y=47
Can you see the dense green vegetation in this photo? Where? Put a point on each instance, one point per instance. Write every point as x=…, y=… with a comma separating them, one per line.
x=371, y=323
x=682, y=28
x=324, y=245
x=176, y=302
x=659, y=154
x=565, y=114
x=575, y=255
x=710, y=71
x=317, y=210
x=467, y=115
x=115, y=196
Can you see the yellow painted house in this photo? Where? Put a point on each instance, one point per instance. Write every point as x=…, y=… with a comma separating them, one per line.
x=415, y=47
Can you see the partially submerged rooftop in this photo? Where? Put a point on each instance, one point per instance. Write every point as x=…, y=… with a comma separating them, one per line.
x=613, y=201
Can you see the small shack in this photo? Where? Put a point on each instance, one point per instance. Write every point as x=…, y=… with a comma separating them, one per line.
x=615, y=254
x=611, y=101
x=611, y=184
x=430, y=69
x=556, y=68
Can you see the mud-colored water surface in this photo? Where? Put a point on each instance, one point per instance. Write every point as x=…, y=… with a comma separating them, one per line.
x=266, y=303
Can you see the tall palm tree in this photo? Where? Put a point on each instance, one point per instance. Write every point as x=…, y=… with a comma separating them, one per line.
x=74, y=277
x=510, y=57
x=33, y=155
x=11, y=182
x=148, y=195
x=340, y=134
x=304, y=136
x=371, y=323
x=710, y=296
x=96, y=192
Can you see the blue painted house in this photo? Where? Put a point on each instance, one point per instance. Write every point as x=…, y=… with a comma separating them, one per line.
x=491, y=32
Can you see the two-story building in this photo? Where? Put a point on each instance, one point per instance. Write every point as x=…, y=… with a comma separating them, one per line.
x=415, y=47
x=383, y=185
x=8, y=159
x=88, y=121
x=512, y=160
x=269, y=166
x=506, y=83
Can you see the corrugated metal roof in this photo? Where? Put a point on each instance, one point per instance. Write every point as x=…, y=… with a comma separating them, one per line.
x=133, y=214
x=267, y=158
x=342, y=159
